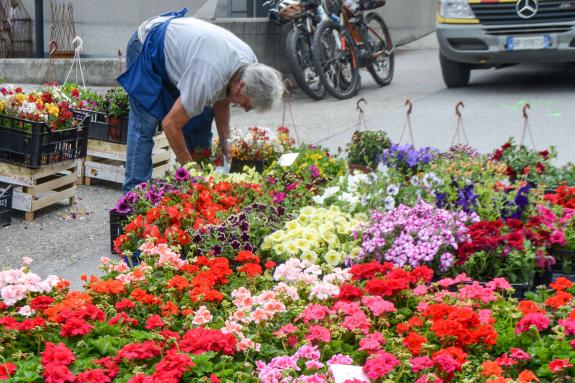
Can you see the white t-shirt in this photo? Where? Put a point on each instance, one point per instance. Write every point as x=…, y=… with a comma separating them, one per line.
x=200, y=59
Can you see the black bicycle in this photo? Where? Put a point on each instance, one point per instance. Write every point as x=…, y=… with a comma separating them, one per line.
x=348, y=41
x=304, y=16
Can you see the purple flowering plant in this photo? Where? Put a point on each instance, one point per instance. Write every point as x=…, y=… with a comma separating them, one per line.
x=148, y=194
x=408, y=158
x=472, y=183
x=244, y=230
x=414, y=236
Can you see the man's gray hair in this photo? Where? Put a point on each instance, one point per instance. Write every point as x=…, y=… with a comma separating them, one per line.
x=264, y=85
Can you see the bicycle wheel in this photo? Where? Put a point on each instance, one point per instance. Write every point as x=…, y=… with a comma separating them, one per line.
x=335, y=59
x=380, y=41
x=299, y=54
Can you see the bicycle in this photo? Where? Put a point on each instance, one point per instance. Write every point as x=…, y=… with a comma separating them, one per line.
x=348, y=41
x=304, y=15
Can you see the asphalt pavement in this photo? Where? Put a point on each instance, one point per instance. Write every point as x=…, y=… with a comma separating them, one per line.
x=69, y=241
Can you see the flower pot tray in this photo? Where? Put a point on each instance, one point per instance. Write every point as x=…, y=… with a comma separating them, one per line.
x=35, y=189
x=32, y=144
x=107, y=160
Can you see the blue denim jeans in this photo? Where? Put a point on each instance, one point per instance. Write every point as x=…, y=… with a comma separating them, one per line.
x=142, y=126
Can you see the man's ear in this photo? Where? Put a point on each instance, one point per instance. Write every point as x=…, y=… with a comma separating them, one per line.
x=241, y=86
x=237, y=87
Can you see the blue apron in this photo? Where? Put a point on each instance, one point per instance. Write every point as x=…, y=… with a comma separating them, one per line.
x=147, y=81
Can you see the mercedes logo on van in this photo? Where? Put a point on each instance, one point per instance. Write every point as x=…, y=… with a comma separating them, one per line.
x=526, y=9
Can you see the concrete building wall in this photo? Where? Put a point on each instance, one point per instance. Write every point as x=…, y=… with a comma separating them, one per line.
x=106, y=25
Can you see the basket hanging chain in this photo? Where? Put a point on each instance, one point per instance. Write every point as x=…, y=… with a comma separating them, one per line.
x=120, y=63
x=80, y=44
x=286, y=106
x=460, y=130
x=526, y=127
x=361, y=115
x=407, y=125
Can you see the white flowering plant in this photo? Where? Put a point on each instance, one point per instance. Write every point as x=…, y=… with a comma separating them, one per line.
x=318, y=235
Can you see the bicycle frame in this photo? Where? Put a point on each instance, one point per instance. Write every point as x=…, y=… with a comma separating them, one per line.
x=359, y=36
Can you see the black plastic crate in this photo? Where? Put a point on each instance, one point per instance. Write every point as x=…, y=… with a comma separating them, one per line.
x=102, y=129
x=6, y=192
x=117, y=222
x=32, y=144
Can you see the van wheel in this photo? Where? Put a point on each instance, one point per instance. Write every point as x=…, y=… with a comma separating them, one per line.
x=455, y=74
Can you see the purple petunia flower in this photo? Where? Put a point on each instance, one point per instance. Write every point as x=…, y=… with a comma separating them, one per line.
x=278, y=197
x=182, y=174
x=314, y=171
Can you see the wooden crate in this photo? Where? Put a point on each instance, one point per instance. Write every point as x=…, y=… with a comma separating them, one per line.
x=35, y=189
x=107, y=160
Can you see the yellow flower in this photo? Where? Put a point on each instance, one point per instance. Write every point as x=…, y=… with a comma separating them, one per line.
x=267, y=244
x=310, y=256
x=302, y=243
x=19, y=98
x=303, y=220
x=355, y=252
x=329, y=237
x=291, y=248
x=277, y=236
x=52, y=109
x=332, y=257
x=292, y=225
x=280, y=249
x=311, y=235
x=308, y=211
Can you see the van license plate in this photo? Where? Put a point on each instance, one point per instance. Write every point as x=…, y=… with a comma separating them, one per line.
x=520, y=43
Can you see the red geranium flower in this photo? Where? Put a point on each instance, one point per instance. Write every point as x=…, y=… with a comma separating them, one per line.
x=7, y=370
x=153, y=322
x=558, y=365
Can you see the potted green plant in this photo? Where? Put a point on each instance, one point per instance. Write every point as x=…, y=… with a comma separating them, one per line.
x=117, y=107
x=364, y=148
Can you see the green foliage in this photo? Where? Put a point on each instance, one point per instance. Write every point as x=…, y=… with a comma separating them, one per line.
x=365, y=146
x=117, y=103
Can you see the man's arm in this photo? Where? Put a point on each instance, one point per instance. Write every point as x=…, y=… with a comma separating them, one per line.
x=172, y=125
x=222, y=117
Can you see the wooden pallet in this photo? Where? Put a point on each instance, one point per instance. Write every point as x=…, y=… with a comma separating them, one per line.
x=35, y=189
x=107, y=160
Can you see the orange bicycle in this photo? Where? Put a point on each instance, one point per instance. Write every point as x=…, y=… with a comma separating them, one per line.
x=348, y=41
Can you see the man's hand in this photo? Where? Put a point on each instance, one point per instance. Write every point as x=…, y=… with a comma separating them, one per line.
x=172, y=125
x=225, y=150
x=222, y=117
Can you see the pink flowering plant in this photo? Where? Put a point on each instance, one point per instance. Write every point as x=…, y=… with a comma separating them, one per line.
x=413, y=236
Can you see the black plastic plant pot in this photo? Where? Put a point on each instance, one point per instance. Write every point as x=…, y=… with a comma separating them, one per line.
x=238, y=165
x=117, y=222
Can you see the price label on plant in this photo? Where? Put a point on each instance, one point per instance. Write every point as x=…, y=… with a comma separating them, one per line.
x=287, y=159
x=342, y=373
